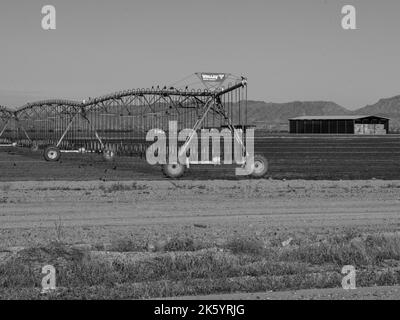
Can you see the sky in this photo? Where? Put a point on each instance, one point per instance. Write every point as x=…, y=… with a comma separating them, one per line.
x=288, y=49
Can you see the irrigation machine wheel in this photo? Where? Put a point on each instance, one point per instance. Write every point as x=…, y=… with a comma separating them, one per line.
x=173, y=171
x=52, y=154
x=108, y=154
x=260, y=167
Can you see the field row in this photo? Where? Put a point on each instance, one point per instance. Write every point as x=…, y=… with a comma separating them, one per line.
x=288, y=157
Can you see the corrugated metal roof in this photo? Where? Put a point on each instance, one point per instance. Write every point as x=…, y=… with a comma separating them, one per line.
x=348, y=117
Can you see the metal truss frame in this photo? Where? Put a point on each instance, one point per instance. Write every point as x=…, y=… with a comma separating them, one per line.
x=68, y=124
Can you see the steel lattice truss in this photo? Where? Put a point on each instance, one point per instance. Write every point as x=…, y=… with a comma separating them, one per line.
x=121, y=120
x=6, y=120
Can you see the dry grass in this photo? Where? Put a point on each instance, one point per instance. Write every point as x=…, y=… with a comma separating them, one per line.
x=184, y=267
x=246, y=245
x=182, y=243
x=125, y=244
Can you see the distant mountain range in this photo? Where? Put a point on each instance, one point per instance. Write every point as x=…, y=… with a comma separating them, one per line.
x=275, y=115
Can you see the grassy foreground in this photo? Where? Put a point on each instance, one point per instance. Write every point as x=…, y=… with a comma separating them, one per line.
x=183, y=266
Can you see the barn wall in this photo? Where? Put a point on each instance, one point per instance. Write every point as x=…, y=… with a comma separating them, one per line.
x=368, y=125
x=322, y=126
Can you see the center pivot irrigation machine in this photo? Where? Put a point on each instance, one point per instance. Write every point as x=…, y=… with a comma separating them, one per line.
x=119, y=123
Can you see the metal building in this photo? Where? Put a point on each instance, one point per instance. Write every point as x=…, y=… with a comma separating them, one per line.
x=350, y=124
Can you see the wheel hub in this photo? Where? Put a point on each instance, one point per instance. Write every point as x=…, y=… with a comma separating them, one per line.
x=258, y=166
x=174, y=167
x=52, y=154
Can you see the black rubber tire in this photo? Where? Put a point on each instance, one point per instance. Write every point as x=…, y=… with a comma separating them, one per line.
x=173, y=171
x=108, y=154
x=260, y=167
x=52, y=154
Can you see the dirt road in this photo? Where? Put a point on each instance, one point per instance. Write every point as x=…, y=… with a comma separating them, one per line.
x=98, y=211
